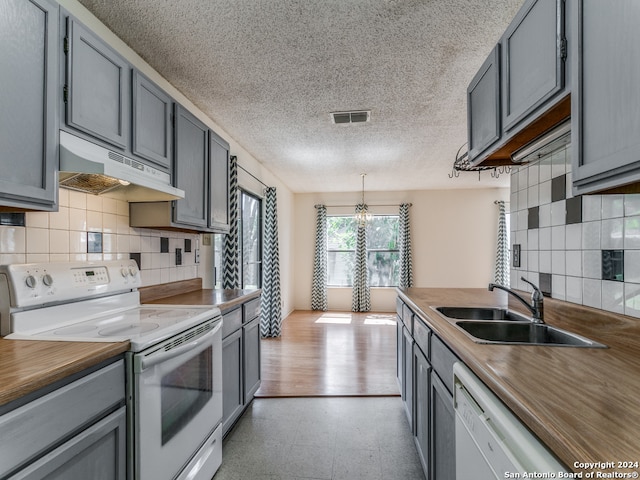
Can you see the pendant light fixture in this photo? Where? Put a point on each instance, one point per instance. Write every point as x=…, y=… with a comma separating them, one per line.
x=363, y=216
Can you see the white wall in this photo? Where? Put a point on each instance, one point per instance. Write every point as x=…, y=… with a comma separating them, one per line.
x=453, y=235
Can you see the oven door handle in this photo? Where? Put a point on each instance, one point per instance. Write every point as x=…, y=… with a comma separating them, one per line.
x=156, y=358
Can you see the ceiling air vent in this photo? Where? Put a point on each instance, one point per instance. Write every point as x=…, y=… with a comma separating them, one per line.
x=346, y=118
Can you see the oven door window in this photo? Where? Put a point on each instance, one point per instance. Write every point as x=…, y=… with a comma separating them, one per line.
x=185, y=390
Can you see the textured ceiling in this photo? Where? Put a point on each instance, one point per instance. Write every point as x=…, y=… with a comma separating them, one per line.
x=270, y=72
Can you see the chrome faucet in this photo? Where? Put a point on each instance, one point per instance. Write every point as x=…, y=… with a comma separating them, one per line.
x=536, y=307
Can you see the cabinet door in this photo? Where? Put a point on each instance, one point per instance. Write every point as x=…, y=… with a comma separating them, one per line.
x=443, y=429
x=407, y=378
x=400, y=355
x=97, y=452
x=151, y=122
x=191, y=169
x=534, y=51
x=605, y=117
x=251, y=347
x=97, y=86
x=422, y=403
x=232, y=397
x=28, y=103
x=483, y=105
x=219, y=184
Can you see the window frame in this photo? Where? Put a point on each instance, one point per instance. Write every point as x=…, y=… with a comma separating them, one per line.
x=369, y=251
x=241, y=267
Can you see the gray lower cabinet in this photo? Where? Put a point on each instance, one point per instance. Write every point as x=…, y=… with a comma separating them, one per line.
x=241, y=365
x=151, y=124
x=399, y=355
x=605, y=118
x=422, y=410
x=232, y=381
x=77, y=430
x=429, y=383
x=251, y=338
x=443, y=440
x=533, y=55
x=28, y=104
x=483, y=105
x=191, y=169
x=97, y=90
x=407, y=381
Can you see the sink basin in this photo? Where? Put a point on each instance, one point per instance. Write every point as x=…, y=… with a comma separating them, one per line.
x=524, y=333
x=481, y=313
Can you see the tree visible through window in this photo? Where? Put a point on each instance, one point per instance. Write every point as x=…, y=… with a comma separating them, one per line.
x=250, y=240
x=382, y=250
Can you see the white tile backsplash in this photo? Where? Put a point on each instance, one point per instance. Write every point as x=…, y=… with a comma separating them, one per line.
x=572, y=253
x=62, y=236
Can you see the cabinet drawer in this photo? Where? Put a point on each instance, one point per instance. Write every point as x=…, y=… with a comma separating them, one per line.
x=29, y=430
x=421, y=334
x=251, y=309
x=407, y=318
x=442, y=360
x=399, y=305
x=231, y=321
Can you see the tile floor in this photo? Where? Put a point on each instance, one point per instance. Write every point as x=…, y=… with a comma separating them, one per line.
x=330, y=438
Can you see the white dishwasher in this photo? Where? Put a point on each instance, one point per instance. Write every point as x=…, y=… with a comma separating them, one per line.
x=491, y=442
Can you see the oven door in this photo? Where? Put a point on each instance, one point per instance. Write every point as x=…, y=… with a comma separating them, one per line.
x=177, y=402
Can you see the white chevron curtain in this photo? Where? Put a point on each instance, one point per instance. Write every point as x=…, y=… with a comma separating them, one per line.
x=502, y=276
x=404, y=247
x=361, y=300
x=319, y=284
x=230, y=262
x=271, y=308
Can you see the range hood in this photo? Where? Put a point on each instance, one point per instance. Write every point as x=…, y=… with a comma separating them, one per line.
x=90, y=168
x=546, y=143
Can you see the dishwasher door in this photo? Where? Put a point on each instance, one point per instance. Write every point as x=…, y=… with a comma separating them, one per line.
x=491, y=442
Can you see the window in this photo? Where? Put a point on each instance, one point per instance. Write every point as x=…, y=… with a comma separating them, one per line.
x=250, y=242
x=382, y=250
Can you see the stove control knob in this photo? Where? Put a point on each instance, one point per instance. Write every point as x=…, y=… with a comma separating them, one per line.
x=47, y=280
x=31, y=281
x=133, y=271
x=124, y=272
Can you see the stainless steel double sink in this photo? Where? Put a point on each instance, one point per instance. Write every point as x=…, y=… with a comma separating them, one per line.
x=503, y=326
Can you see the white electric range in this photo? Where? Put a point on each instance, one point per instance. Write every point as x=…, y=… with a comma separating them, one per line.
x=174, y=362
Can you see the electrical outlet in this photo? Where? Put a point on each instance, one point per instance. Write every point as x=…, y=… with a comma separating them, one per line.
x=206, y=239
x=178, y=256
x=197, y=255
x=187, y=245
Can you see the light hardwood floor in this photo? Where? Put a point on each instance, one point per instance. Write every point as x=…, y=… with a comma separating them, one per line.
x=331, y=354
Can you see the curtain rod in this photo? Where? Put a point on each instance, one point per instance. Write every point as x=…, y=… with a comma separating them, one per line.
x=252, y=175
x=372, y=205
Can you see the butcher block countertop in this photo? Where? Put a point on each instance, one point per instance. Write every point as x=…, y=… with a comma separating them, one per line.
x=29, y=365
x=583, y=403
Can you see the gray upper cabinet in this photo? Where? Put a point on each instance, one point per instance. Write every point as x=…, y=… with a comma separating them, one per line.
x=534, y=51
x=191, y=169
x=522, y=89
x=151, y=122
x=483, y=105
x=218, y=183
x=97, y=91
x=28, y=104
x=606, y=119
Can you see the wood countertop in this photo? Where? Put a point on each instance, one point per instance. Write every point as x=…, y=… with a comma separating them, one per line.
x=225, y=300
x=29, y=365
x=583, y=403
